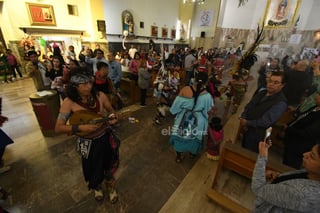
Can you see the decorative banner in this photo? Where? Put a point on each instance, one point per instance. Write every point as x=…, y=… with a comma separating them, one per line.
x=295, y=38
x=206, y=17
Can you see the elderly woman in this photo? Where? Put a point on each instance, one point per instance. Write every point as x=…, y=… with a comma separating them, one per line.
x=296, y=191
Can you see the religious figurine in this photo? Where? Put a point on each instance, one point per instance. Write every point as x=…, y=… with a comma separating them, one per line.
x=127, y=22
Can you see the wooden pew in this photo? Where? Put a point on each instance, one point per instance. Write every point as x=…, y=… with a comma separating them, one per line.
x=278, y=131
x=130, y=88
x=241, y=161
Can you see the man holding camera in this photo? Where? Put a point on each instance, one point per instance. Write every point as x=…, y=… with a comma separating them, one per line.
x=264, y=109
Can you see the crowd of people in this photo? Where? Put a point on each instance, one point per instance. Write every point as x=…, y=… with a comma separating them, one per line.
x=185, y=85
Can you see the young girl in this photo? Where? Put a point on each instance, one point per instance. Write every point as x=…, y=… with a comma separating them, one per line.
x=215, y=137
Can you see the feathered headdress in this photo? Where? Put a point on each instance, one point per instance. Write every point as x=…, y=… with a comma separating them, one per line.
x=243, y=66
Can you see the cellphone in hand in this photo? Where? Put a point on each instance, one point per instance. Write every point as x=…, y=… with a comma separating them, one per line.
x=267, y=138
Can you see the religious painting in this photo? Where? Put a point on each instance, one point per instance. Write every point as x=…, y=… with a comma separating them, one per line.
x=127, y=22
x=101, y=25
x=154, y=31
x=173, y=33
x=205, y=18
x=41, y=14
x=281, y=13
x=164, y=32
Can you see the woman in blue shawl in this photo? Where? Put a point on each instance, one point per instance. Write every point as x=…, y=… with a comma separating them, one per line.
x=197, y=99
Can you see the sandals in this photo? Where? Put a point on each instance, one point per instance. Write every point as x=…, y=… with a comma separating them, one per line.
x=179, y=158
x=98, y=195
x=113, y=196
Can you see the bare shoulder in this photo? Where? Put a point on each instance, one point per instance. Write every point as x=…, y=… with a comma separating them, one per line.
x=186, y=92
x=68, y=106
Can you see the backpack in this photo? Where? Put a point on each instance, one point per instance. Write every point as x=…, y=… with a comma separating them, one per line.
x=188, y=127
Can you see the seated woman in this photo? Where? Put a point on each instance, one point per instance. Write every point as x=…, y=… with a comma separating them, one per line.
x=296, y=191
x=301, y=134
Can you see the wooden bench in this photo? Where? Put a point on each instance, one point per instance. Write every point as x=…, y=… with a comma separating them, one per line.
x=278, y=131
x=241, y=161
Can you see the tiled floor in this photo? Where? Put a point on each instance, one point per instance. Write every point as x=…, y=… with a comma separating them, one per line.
x=46, y=173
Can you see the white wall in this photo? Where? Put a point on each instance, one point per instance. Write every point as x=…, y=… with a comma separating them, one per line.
x=160, y=13
x=209, y=30
x=15, y=15
x=247, y=17
x=310, y=17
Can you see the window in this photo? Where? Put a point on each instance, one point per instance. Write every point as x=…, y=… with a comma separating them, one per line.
x=72, y=10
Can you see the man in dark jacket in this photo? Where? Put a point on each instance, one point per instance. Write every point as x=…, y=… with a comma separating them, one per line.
x=266, y=71
x=298, y=80
x=264, y=110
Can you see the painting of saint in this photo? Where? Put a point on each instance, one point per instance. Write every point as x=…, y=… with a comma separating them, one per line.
x=281, y=12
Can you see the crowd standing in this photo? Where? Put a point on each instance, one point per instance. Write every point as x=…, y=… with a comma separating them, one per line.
x=186, y=80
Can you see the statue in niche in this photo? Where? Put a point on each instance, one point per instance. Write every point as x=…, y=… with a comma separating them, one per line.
x=127, y=23
x=182, y=32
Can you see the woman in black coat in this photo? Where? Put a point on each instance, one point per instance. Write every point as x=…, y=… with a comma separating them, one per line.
x=301, y=135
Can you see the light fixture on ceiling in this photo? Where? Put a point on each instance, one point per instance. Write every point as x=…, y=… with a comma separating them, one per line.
x=193, y=1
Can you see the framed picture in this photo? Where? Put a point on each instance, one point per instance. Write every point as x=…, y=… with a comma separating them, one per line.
x=41, y=14
x=154, y=31
x=281, y=13
x=173, y=33
x=164, y=32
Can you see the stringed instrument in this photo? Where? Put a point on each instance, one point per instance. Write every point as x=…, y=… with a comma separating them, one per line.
x=90, y=117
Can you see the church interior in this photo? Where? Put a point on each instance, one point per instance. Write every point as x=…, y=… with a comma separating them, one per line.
x=41, y=169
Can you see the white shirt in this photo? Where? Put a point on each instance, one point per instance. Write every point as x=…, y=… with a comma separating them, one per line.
x=71, y=54
x=132, y=51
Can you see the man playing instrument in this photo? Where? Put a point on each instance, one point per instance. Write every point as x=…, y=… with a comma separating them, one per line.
x=97, y=143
